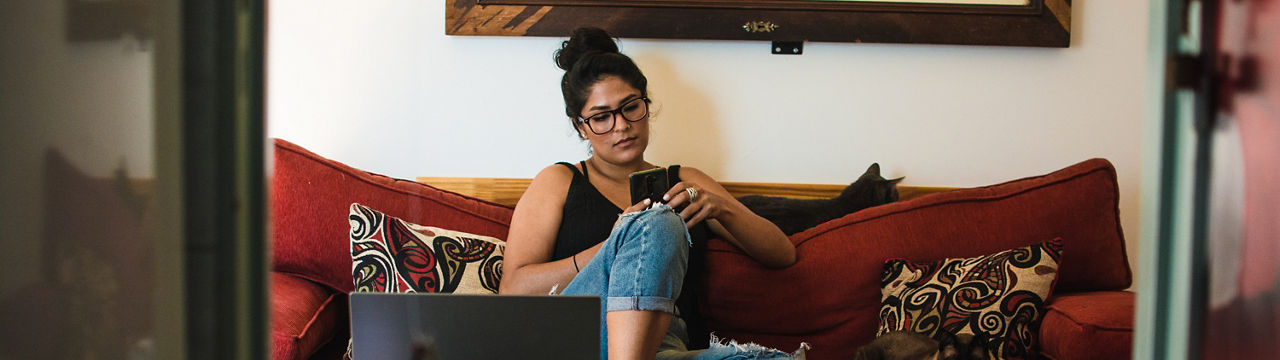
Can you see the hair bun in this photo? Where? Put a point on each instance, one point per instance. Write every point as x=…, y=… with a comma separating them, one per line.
x=584, y=40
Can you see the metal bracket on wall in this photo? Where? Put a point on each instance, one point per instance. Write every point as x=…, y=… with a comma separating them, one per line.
x=1186, y=72
x=787, y=47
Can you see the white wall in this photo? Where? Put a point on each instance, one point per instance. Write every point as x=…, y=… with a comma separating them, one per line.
x=380, y=87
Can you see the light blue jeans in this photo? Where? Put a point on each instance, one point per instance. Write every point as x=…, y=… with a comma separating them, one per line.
x=641, y=266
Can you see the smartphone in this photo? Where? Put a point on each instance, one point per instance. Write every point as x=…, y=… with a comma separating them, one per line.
x=649, y=184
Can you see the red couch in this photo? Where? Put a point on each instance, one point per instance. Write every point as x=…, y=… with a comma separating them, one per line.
x=829, y=298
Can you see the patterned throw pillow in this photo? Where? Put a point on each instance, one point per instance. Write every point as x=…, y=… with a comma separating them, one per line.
x=1000, y=297
x=391, y=255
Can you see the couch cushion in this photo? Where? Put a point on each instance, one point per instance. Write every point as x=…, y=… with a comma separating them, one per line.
x=1096, y=325
x=999, y=297
x=836, y=275
x=304, y=316
x=310, y=197
x=391, y=255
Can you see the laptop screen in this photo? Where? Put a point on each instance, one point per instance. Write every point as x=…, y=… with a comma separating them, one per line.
x=454, y=326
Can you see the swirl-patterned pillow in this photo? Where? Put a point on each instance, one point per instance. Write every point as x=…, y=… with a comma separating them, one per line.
x=1000, y=295
x=391, y=255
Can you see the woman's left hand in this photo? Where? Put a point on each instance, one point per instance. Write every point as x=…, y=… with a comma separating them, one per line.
x=694, y=204
x=710, y=203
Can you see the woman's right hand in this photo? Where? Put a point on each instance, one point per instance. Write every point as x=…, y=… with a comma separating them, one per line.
x=643, y=204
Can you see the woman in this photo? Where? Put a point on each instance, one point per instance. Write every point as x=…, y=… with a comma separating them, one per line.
x=575, y=228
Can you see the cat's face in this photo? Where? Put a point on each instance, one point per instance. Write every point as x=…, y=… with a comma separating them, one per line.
x=963, y=346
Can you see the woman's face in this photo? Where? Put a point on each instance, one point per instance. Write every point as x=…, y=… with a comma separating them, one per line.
x=627, y=140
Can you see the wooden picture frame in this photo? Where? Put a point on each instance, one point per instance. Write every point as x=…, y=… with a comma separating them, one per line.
x=99, y=20
x=1037, y=23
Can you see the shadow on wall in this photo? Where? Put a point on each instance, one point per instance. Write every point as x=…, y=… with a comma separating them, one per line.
x=686, y=129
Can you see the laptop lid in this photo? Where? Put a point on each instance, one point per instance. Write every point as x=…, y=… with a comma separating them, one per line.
x=455, y=326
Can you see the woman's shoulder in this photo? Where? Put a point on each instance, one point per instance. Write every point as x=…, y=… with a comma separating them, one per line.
x=548, y=187
x=560, y=170
x=553, y=176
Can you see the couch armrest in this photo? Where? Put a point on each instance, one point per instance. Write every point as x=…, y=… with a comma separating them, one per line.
x=304, y=316
x=830, y=297
x=1088, y=325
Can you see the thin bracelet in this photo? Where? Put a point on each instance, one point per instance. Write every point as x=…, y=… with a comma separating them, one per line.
x=575, y=263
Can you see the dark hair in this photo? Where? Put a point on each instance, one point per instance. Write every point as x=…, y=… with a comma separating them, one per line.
x=587, y=57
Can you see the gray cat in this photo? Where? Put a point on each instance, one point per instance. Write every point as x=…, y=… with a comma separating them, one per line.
x=900, y=345
x=910, y=345
x=796, y=215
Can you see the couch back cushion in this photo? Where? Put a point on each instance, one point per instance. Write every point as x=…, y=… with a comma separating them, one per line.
x=831, y=295
x=311, y=198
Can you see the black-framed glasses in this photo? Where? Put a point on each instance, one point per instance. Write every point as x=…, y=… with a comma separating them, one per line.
x=602, y=122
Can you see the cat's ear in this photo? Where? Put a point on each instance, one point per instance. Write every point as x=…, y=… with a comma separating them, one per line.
x=869, y=352
x=872, y=173
x=945, y=337
x=982, y=339
x=896, y=181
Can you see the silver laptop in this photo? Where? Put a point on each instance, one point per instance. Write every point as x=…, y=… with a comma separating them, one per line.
x=421, y=326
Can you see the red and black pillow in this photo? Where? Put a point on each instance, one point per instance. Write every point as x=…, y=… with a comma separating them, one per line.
x=999, y=298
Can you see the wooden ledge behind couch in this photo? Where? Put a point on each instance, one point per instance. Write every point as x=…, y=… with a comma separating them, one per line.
x=507, y=191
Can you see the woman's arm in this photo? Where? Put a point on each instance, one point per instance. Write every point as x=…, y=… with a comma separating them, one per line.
x=531, y=240
x=730, y=220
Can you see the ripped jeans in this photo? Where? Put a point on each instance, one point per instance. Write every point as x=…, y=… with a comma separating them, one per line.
x=641, y=266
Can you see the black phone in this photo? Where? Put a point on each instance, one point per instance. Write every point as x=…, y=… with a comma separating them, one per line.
x=649, y=184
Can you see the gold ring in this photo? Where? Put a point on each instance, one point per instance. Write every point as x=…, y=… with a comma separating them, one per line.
x=693, y=194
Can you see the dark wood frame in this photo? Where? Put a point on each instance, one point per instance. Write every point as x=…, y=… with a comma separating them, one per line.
x=1040, y=23
x=107, y=19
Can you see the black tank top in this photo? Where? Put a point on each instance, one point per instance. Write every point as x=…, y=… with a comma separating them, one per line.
x=587, y=219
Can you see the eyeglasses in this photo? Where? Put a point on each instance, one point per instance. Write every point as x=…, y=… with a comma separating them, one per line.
x=602, y=122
